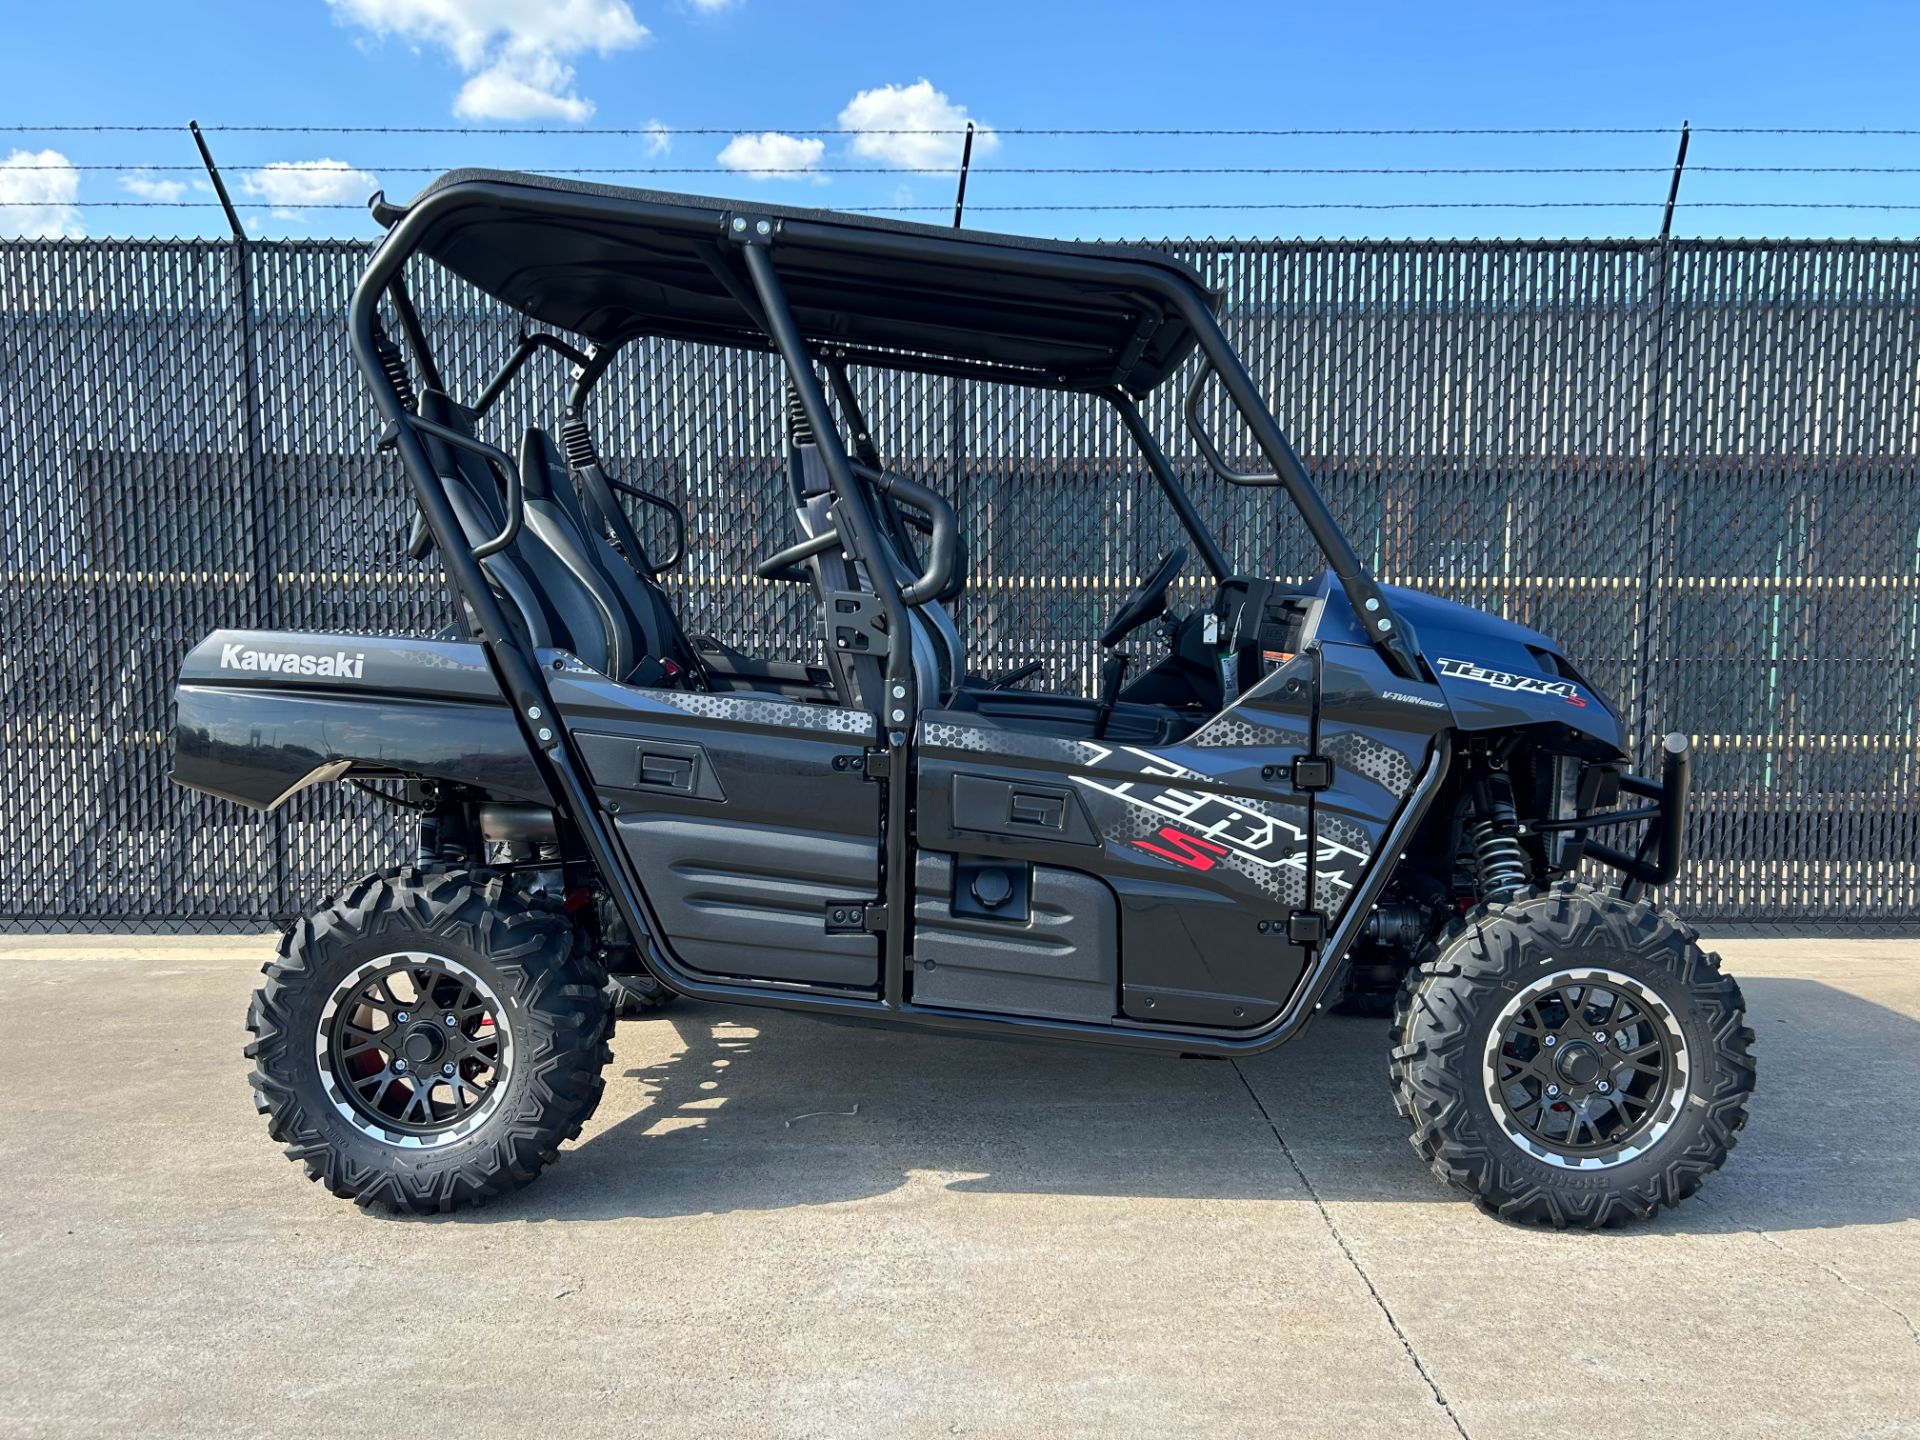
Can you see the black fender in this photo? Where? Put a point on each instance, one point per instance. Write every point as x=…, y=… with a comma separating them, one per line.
x=263, y=715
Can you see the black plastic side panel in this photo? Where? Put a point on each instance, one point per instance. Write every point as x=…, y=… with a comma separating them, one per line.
x=1203, y=842
x=381, y=665
x=1202, y=958
x=1062, y=961
x=1378, y=730
x=748, y=821
x=256, y=747
x=752, y=901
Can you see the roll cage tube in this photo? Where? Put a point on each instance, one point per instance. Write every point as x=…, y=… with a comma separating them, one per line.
x=1370, y=606
x=900, y=704
x=1176, y=493
x=1384, y=631
x=549, y=743
x=529, y=342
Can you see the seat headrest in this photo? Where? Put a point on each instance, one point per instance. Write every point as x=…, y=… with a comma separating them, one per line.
x=542, y=466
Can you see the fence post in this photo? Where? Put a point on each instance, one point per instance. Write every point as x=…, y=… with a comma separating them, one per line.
x=261, y=511
x=1655, y=548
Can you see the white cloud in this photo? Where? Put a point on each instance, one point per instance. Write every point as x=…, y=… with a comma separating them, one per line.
x=522, y=87
x=712, y=7
x=915, y=107
x=773, y=156
x=659, y=139
x=149, y=186
x=37, y=193
x=514, y=52
x=287, y=184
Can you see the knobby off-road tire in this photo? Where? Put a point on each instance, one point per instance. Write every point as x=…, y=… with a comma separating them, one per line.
x=490, y=952
x=635, y=995
x=1449, y=1058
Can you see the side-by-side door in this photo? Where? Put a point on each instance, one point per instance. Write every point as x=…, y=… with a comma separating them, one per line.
x=1181, y=882
x=749, y=821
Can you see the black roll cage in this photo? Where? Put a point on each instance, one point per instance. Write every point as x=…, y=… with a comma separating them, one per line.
x=756, y=238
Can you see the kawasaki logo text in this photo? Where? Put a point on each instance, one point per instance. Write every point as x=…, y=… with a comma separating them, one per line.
x=339, y=665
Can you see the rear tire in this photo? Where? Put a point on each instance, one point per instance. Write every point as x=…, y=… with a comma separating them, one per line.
x=1616, y=1007
x=503, y=1015
x=635, y=995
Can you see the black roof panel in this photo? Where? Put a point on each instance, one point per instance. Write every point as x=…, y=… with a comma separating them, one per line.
x=611, y=263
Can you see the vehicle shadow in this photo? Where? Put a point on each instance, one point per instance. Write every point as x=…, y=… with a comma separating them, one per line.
x=724, y=1109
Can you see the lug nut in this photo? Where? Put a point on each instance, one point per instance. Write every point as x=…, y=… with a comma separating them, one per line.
x=1604, y=1087
x=447, y=1069
x=1600, y=1037
x=451, y=1021
x=1553, y=1089
x=1552, y=1040
x=400, y=1063
x=401, y=1018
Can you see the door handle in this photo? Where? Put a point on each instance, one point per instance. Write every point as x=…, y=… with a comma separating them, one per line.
x=666, y=772
x=1043, y=812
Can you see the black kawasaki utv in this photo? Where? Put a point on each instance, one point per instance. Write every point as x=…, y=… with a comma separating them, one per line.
x=1294, y=792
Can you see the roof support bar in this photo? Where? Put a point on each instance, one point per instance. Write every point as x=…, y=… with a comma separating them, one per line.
x=1176, y=493
x=1370, y=607
x=856, y=522
x=1389, y=637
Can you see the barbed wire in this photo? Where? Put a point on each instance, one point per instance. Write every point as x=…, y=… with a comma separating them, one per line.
x=1215, y=132
x=134, y=170
x=332, y=167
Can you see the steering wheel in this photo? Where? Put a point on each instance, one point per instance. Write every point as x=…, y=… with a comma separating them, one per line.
x=1149, y=602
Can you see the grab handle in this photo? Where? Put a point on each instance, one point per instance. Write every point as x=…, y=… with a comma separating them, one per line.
x=943, y=548
x=1200, y=438
x=498, y=462
x=777, y=566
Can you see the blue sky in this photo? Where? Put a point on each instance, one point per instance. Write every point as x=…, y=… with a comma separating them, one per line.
x=760, y=73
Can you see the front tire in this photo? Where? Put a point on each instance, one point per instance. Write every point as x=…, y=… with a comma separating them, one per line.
x=428, y=1040
x=1570, y=1058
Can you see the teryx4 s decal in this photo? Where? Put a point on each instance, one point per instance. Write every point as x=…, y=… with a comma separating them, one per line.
x=1505, y=680
x=1237, y=831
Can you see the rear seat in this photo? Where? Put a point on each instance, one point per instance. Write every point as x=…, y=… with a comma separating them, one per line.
x=561, y=578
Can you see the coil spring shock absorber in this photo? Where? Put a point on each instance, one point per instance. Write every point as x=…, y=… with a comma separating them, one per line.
x=1494, y=830
x=799, y=428
x=395, y=366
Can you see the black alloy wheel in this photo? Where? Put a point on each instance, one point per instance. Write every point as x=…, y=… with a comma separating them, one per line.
x=414, y=1048
x=1586, y=1068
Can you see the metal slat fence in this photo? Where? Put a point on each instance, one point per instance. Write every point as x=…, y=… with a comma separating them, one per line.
x=1696, y=463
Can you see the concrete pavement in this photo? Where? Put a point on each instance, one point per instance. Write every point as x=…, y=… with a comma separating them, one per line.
x=780, y=1227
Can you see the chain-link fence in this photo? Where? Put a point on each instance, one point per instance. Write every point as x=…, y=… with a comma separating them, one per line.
x=1693, y=463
